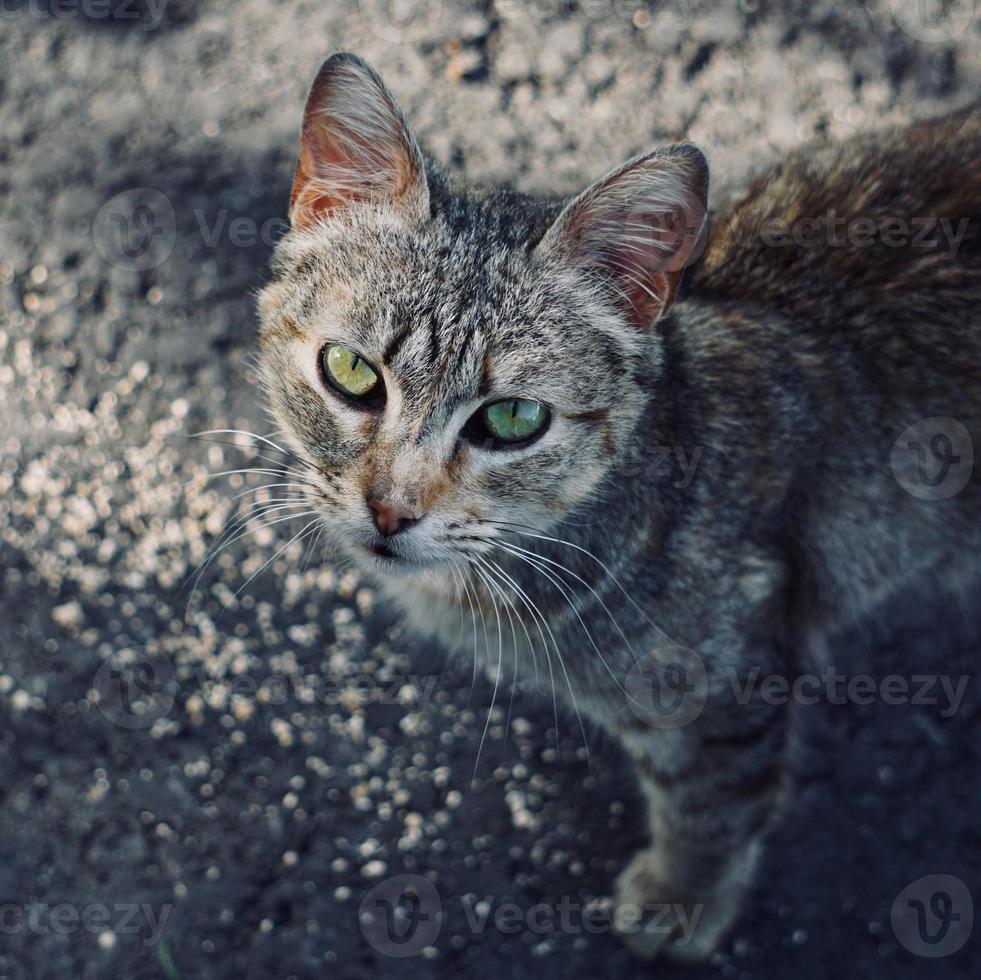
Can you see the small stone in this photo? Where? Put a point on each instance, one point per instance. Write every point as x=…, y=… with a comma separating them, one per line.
x=464, y=64
x=473, y=28
x=70, y=614
x=374, y=869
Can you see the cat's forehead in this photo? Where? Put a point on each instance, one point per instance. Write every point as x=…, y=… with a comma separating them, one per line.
x=469, y=330
x=442, y=299
x=454, y=311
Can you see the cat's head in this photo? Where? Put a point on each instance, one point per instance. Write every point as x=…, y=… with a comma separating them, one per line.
x=451, y=358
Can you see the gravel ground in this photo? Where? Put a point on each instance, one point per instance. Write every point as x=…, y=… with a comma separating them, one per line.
x=209, y=786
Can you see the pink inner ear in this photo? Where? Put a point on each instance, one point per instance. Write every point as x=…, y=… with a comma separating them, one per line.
x=333, y=172
x=337, y=168
x=642, y=254
x=639, y=227
x=355, y=146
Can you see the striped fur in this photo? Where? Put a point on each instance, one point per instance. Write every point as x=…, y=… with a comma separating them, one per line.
x=788, y=374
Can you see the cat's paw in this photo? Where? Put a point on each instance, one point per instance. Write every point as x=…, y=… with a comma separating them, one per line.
x=655, y=917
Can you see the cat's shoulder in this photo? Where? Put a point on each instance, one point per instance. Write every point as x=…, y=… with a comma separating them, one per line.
x=893, y=209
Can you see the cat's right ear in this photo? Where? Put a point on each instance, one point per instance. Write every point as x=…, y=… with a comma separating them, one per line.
x=637, y=229
x=355, y=147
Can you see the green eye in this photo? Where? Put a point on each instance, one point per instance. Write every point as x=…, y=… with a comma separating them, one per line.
x=515, y=419
x=348, y=372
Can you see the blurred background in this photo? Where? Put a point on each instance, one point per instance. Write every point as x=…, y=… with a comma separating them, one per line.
x=220, y=783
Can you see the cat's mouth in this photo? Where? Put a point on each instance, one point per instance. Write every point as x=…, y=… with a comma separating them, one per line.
x=384, y=552
x=386, y=558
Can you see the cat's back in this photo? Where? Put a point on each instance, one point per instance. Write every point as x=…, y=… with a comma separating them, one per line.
x=883, y=229
x=844, y=288
x=862, y=261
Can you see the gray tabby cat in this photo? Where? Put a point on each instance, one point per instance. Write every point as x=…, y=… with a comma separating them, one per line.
x=484, y=387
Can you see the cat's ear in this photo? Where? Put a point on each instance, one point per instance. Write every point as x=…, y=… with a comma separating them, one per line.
x=355, y=147
x=637, y=227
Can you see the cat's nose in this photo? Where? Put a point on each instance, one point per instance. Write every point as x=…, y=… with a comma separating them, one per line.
x=390, y=518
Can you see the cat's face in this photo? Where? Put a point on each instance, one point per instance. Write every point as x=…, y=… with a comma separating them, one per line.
x=449, y=362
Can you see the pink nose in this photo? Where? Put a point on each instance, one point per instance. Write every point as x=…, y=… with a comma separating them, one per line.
x=390, y=519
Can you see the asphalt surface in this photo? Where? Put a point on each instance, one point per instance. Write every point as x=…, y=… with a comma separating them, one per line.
x=210, y=784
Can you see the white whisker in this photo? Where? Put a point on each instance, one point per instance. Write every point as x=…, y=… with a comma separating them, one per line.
x=560, y=586
x=497, y=673
x=241, y=432
x=295, y=537
x=534, y=533
x=524, y=554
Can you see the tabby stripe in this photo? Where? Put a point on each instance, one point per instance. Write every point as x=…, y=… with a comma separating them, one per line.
x=737, y=740
x=433, y=339
x=395, y=344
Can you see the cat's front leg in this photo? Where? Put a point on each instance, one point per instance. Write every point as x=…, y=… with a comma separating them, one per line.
x=713, y=787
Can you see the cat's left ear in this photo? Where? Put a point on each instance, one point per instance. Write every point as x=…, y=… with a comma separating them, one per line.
x=355, y=147
x=637, y=228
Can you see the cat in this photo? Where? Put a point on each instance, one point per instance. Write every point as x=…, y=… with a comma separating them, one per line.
x=509, y=409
